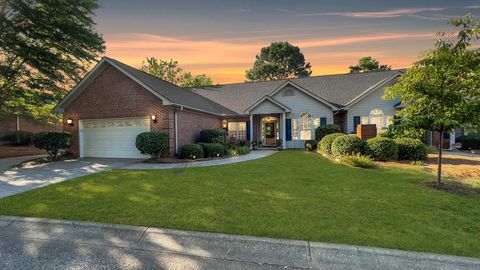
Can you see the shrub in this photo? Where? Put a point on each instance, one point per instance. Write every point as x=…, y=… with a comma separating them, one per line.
x=323, y=131
x=211, y=135
x=152, y=143
x=18, y=137
x=52, y=141
x=212, y=149
x=191, y=151
x=411, y=149
x=243, y=150
x=359, y=161
x=469, y=142
x=231, y=152
x=432, y=149
x=311, y=145
x=326, y=143
x=382, y=148
x=347, y=145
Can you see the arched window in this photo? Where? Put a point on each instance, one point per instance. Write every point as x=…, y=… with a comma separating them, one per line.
x=305, y=126
x=288, y=93
x=377, y=117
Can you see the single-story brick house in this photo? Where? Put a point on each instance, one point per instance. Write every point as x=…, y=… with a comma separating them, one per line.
x=114, y=102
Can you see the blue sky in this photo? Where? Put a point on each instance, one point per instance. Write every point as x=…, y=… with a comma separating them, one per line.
x=221, y=38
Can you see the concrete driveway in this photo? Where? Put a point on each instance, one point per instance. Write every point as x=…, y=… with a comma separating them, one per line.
x=14, y=180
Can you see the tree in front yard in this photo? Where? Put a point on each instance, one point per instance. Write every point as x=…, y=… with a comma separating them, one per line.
x=280, y=60
x=442, y=90
x=366, y=64
x=45, y=47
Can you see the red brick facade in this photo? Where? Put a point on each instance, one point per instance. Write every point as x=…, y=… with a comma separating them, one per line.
x=10, y=125
x=112, y=94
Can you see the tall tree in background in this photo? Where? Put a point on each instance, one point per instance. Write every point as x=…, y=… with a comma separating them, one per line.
x=368, y=63
x=442, y=90
x=45, y=47
x=171, y=72
x=280, y=60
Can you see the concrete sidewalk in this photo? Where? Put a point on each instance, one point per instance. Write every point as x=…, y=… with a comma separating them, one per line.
x=31, y=243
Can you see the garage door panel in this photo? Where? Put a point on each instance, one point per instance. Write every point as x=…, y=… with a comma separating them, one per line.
x=113, y=138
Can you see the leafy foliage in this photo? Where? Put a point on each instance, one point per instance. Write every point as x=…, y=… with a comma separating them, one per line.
x=326, y=142
x=191, y=151
x=170, y=71
x=411, y=149
x=211, y=135
x=53, y=142
x=152, y=143
x=45, y=47
x=469, y=142
x=322, y=131
x=359, y=161
x=400, y=131
x=18, y=137
x=280, y=60
x=212, y=149
x=347, y=145
x=382, y=148
x=243, y=150
x=366, y=64
x=310, y=145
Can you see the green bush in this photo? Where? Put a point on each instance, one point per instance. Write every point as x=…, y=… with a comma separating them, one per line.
x=152, y=143
x=211, y=135
x=243, y=150
x=231, y=152
x=469, y=142
x=359, y=161
x=411, y=149
x=18, y=137
x=191, y=151
x=52, y=141
x=311, y=145
x=326, y=143
x=323, y=131
x=347, y=145
x=212, y=149
x=382, y=148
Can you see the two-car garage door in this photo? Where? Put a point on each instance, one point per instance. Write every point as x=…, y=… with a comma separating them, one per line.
x=112, y=138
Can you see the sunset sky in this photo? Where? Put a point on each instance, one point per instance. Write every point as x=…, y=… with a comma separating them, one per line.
x=221, y=38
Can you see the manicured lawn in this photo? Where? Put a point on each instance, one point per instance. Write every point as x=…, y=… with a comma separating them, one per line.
x=290, y=194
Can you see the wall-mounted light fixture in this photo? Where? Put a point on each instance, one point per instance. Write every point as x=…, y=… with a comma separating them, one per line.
x=70, y=121
x=154, y=118
x=224, y=123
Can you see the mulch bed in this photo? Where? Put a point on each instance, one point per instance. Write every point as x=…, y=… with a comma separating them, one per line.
x=178, y=160
x=7, y=151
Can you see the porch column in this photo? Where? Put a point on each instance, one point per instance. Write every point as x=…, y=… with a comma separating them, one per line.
x=284, y=131
x=251, y=130
x=452, y=140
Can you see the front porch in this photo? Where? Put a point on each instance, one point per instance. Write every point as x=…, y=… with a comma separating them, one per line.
x=268, y=130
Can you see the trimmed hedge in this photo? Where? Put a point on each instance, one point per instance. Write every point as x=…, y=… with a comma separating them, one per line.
x=347, y=145
x=323, y=131
x=152, y=143
x=411, y=149
x=191, y=151
x=311, y=145
x=52, y=141
x=18, y=137
x=326, y=143
x=243, y=150
x=382, y=148
x=469, y=142
x=211, y=135
x=212, y=149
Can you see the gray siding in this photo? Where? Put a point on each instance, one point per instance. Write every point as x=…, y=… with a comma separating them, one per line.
x=266, y=107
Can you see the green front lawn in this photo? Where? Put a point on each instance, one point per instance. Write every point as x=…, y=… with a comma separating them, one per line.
x=290, y=194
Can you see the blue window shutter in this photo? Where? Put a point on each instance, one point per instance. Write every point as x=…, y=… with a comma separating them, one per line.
x=356, y=122
x=323, y=121
x=248, y=130
x=288, y=124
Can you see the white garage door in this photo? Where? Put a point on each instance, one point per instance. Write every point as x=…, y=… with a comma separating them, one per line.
x=113, y=138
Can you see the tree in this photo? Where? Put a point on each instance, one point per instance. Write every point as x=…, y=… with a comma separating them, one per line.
x=171, y=72
x=442, y=90
x=366, y=64
x=280, y=60
x=45, y=47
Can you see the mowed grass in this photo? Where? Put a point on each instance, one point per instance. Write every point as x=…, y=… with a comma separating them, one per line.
x=290, y=194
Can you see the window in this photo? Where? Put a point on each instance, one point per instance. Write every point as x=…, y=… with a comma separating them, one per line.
x=237, y=130
x=378, y=118
x=288, y=93
x=295, y=129
x=305, y=126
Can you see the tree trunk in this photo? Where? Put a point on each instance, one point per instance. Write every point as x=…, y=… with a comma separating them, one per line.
x=439, y=170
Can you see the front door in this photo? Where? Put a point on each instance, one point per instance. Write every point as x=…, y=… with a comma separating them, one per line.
x=270, y=134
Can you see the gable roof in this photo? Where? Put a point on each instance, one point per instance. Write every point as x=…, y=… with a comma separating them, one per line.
x=170, y=94
x=305, y=91
x=267, y=98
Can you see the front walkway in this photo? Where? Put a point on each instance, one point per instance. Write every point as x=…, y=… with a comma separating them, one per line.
x=32, y=243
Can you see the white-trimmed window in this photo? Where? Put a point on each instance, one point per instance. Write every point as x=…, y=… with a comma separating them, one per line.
x=305, y=126
x=377, y=117
x=237, y=130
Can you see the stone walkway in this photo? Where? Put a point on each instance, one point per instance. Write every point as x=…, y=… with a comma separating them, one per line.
x=32, y=243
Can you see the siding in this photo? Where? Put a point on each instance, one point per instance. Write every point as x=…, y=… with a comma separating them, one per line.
x=266, y=107
x=301, y=102
x=364, y=106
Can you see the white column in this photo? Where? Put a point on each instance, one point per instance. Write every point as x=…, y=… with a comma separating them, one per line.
x=284, y=131
x=18, y=123
x=452, y=140
x=251, y=130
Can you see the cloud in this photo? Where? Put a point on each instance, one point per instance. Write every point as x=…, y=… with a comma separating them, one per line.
x=391, y=13
x=473, y=6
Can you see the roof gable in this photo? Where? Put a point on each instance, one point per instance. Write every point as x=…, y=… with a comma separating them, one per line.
x=305, y=91
x=264, y=100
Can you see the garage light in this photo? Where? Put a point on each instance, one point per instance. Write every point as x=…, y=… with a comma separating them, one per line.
x=154, y=118
x=70, y=121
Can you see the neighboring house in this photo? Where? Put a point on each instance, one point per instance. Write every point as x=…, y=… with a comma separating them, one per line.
x=13, y=124
x=114, y=102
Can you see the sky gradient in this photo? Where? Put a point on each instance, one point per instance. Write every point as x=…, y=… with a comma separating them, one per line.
x=221, y=38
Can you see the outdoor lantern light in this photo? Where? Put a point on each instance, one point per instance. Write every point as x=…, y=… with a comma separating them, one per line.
x=224, y=123
x=70, y=121
x=154, y=118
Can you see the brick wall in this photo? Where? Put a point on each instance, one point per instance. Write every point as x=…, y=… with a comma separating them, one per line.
x=191, y=123
x=10, y=125
x=366, y=131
